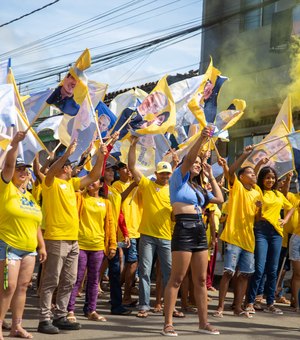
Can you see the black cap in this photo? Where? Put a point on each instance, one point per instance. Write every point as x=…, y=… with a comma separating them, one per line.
x=20, y=163
x=67, y=162
x=109, y=165
x=121, y=165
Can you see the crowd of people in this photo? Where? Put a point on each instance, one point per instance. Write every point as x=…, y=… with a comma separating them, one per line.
x=82, y=227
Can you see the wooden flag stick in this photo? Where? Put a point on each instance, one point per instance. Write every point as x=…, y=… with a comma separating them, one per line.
x=273, y=139
x=95, y=118
x=216, y=149
x=125, y=123
x=133, y=195
x=276, y=152
x=37, y=116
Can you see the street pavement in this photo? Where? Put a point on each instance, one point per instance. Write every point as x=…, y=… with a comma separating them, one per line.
x=261, y=326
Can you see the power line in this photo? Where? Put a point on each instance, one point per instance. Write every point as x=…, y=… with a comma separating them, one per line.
x=26, y=15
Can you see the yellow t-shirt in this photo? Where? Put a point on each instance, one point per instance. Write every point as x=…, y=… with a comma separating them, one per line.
x=60, y=209
x=241, y=214
x=115, y=198
x=156, y=217
x=273, y=202
x=217, y=214
x=91, y=223
x=132, y=208
x=37, y=192
x=20, y=217
x=293, y=226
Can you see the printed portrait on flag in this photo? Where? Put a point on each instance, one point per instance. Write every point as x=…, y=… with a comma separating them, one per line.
x=106, y=119
x=63, y=96
x=147, y=113
x=278, y=151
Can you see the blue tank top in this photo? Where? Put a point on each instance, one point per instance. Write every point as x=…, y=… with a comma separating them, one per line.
x=181, y=191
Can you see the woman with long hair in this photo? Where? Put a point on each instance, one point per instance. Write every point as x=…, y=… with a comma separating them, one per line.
x=20, y=235
x=268, y=231
x=189, y=243
x=96, y=236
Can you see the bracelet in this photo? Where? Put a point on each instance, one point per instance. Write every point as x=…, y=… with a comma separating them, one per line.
x=212, y=179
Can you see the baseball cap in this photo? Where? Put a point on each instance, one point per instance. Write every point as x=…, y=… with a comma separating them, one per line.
x=163, y=167
x=121, y=165
x=109, y=165
x=20, y=162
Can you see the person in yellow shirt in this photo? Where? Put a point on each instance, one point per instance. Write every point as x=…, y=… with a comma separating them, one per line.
x=243, y=206
x=268, y=237
x=97, y=235
x=122, y=234
x=132, y=210
x=61, y=238
x=20, y=235
x=155, y=227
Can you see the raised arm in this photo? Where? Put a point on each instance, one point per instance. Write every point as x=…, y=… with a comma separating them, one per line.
x=286, y=183
x=207, y=169
x=261, y=162
x=57, y=166
x=190, y=158
x=233, y=168
x=10, y=159
x=95, y=173
x=137, y=175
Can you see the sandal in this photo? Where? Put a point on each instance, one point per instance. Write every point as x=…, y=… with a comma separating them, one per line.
x=257, y=306
x=245, y=314
x=158, y=309
x=94, y=316
x=250, y=308
x=142, y=314
x=6, y=325
x=283, y=300
x=208, y=329
x=272, y=309
x=212, y=289
x=218, y=314
x=169, y=331
x=177, y=314
x=71, y=317
x=190, y=309
x=21, y=334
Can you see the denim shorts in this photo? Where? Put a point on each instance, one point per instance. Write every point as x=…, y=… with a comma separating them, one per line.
x=13, y=253
x=239, y=259
x=131, y=253
x=294, y=248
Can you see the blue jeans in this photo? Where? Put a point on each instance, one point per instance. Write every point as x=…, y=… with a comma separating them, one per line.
x=267, y=251
x=147, y=247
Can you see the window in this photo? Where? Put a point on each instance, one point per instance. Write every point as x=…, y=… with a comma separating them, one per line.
x=258, y=17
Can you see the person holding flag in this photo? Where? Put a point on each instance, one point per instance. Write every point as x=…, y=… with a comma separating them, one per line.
x=189, y=243
x=20, y=235
x=61, y=238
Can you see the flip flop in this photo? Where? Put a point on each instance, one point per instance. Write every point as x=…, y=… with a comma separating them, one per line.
x=142, y=314
x=169, y=331
x=157, y=309
x=244, y=314
x=218, y=314
x=177, y=314
x=21, y=334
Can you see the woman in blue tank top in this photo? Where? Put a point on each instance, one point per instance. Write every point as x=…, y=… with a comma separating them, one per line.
x=189, y=243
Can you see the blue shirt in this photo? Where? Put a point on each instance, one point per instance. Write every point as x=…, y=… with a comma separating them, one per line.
x=181, y=191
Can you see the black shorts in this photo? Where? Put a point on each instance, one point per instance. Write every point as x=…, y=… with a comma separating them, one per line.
x=189, y=234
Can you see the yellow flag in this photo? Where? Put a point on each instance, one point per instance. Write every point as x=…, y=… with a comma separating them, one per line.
x=279, y=151
x=81, y=87
x=196, y=104
x=158, y=110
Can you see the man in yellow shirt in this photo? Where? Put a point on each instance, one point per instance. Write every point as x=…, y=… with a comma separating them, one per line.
x=61, y=238
x=132, y=210
x=243, y=205
x=155, y=227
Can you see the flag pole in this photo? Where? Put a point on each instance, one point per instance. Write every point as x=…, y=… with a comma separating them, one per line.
x=95, y=118
x=216, y=149
x=126, y=122
x=271, y=140
x=276, y=152
x=37, y=116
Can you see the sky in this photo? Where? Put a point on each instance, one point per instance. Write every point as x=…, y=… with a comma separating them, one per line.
x=122, y=23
